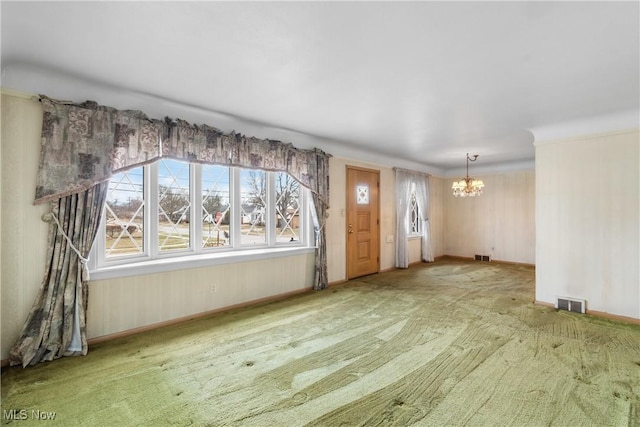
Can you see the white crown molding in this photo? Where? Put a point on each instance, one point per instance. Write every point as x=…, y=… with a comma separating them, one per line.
x=586, y=137
x=623, y=121
x=16, y=93
x=491, y=169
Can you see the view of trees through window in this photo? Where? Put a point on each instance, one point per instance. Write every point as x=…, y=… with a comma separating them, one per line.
x=287, y=207
x=260, y=196
x=216, y=206
x=174, y=205
x=253, y=202
x=124, y=214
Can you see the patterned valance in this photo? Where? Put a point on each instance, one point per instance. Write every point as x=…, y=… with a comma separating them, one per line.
x=85, y=144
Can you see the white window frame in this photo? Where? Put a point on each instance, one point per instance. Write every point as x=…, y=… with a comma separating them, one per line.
x=152, y=260
x=152, y=236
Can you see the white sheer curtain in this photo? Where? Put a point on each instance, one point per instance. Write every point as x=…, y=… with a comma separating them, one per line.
x=422, y=198
x=403, y=193
x=405, y=180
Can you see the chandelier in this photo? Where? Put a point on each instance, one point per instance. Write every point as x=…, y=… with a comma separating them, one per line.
x=468, y=186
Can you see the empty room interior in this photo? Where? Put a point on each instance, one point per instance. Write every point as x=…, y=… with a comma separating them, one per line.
x=320, y=213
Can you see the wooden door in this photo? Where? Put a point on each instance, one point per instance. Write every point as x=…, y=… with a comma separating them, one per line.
x=363, y=223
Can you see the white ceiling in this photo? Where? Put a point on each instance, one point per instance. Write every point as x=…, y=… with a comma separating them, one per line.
x=420, y=81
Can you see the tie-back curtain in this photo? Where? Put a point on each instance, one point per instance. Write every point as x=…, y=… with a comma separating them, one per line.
x=403, y=194
x=85, y=144
x=56, y=325
x=405, y=180
x=423, y=200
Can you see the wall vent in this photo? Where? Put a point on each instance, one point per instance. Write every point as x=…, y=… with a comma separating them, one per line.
x=483, y=258
x=571, y=304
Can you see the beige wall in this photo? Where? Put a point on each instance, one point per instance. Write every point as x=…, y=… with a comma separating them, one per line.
x=115, y=305
x=500, y=223
x=588, y=215
x=336, y=223
x=24, y=235
x=127, y=303
x=122, y=304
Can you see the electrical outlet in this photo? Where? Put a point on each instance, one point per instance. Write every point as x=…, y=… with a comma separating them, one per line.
x=213, y=288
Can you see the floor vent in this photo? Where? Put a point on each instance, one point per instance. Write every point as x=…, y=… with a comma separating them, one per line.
x=483, y=258
x=571, y=304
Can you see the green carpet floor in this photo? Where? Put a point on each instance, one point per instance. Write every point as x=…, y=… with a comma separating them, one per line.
x=444, y=344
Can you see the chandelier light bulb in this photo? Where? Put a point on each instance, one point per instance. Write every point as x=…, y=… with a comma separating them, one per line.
x=468, y=187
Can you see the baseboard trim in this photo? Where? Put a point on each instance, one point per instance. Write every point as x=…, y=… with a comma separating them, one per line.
x=497, y=261
x=435, y=259
x=544, y=303
x=525, y=264
x=337, y=283
x=617, y=317
x=129, y=332
x=4, y=363
x=595, y=313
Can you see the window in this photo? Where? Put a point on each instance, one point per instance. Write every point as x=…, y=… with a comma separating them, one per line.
x=174, y=205
x=124, y=215
x=414, y=213
x=172, y=209
x=287, y=208
x=216, y=207
x=253, y=203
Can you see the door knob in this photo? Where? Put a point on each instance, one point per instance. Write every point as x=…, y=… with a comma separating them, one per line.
x=350, y=228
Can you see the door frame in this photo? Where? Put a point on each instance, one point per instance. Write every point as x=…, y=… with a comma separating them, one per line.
x=347, y=212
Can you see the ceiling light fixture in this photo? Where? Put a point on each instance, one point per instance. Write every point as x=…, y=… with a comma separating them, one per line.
x=468, y=187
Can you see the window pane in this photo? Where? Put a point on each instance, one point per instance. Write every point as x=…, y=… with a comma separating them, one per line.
x=173, y=205
x=362, y=195
x=414, y=217
x=287, y=208
x=216, y=207
x=125, y=214
x=253, y=196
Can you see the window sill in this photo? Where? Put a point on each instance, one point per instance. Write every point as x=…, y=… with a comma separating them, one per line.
x=194, y=261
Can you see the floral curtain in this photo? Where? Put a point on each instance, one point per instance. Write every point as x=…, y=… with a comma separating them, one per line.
x=321, y=280
x=56, y=324
x=83, y=145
